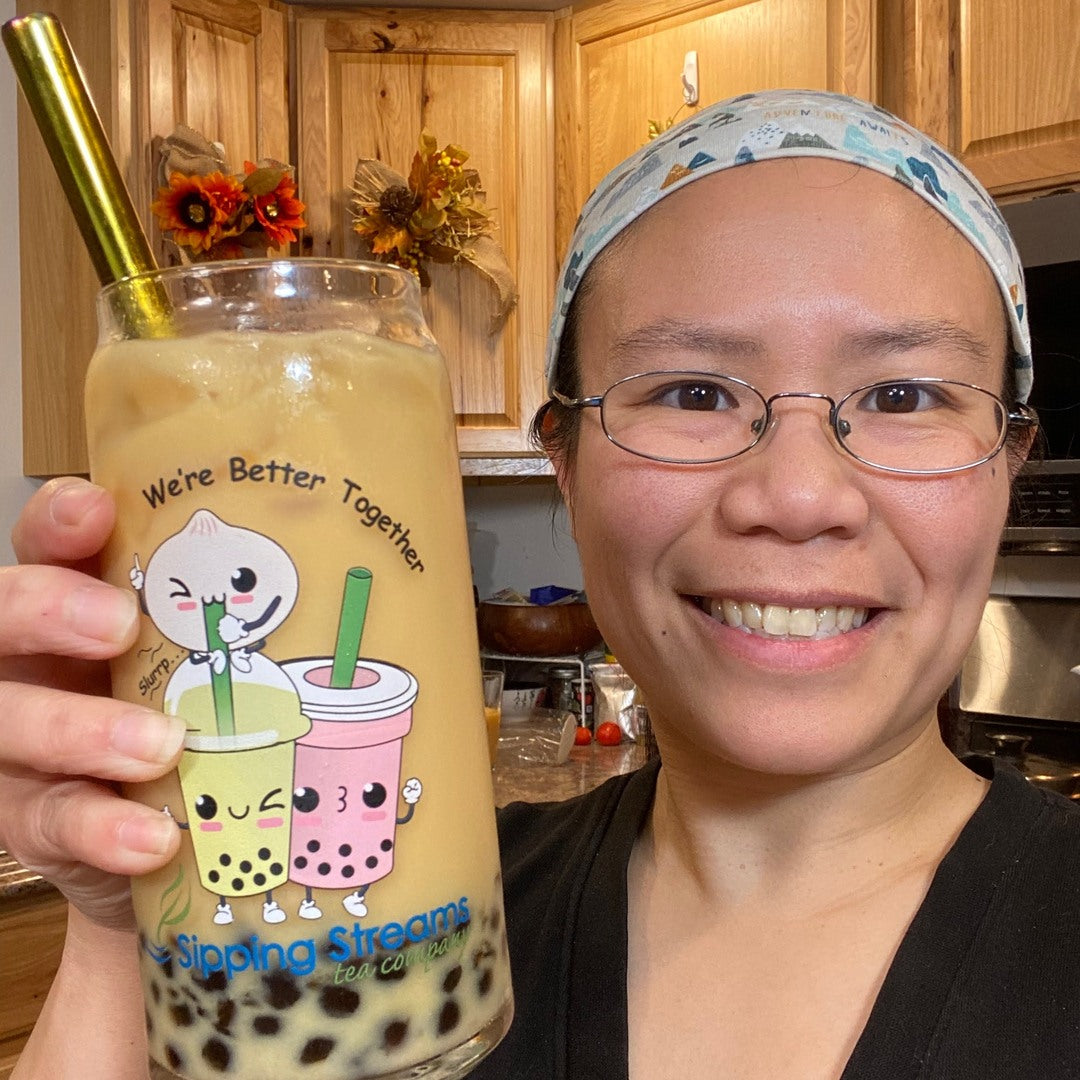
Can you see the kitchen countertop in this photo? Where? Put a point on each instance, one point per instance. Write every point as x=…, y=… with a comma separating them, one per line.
x=18, y=883
x=586, y=768
x=514, y=781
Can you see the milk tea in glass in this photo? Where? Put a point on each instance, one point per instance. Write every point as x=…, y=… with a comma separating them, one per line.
x=280, y=443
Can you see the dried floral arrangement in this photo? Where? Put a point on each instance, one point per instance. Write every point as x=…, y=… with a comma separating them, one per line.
x=436, y=214
x=210, y=212
x=658, y=127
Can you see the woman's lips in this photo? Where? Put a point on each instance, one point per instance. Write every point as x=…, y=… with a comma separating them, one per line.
x=778, y=621
x=826, y=649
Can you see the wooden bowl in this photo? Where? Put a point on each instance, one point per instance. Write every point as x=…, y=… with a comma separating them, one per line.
x=536, y=629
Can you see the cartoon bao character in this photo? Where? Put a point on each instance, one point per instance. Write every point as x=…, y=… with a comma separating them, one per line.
x=347, y=773
x=217, y=590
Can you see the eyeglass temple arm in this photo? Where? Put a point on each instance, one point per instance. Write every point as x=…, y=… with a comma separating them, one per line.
x=1024, y=416
x=577, y=403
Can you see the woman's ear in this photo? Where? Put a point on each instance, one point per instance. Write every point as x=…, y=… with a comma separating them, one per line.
x=564, y=477
x=1018, y=447
x=559, y=452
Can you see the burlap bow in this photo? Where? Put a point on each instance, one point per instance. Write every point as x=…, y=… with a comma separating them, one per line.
x=382, y=196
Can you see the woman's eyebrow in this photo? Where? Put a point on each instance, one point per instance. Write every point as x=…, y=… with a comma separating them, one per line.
x=917, y=334
x=687, y=336
x=909, y=335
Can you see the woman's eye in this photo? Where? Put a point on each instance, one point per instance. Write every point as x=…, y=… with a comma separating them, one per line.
x=180, y=590
x=695, y=396
x=900, y=398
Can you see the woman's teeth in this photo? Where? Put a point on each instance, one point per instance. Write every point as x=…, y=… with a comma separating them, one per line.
x=773, y=620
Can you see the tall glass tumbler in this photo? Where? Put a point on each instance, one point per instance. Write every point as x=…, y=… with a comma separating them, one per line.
x=281, y=447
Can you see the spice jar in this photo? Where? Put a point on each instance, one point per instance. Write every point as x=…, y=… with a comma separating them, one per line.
x=567, y=691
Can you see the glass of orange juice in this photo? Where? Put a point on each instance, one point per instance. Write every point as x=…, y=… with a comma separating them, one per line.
x=493, y=690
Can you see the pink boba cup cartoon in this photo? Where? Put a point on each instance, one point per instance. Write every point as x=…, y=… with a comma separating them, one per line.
x=347, y=772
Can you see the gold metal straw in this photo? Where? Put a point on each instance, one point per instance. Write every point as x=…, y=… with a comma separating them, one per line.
x=56, y=91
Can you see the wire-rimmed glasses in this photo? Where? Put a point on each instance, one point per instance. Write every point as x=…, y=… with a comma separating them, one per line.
x=917, y=425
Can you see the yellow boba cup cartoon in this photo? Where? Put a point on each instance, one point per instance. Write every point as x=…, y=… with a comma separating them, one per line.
x=237, y=787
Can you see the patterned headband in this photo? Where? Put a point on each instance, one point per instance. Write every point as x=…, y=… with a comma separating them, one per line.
x=796, y=123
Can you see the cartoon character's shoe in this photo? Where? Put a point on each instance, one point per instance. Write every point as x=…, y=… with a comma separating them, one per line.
x=309, y=910
x=272, y=912
x=354, y=905
x=223, y=915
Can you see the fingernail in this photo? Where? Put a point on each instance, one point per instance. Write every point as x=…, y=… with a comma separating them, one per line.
x=102, y=612
x=70, y=500
x=148, y=736
x=150, y=834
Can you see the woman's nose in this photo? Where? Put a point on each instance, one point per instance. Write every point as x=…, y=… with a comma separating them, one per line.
x=797, y=482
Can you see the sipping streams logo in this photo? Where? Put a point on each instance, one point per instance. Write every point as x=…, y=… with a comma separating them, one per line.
x=384, y=948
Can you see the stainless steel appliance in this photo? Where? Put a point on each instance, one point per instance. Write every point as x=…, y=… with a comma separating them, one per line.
x=1045, y=518
x=1045, y=515
x=1017, y=681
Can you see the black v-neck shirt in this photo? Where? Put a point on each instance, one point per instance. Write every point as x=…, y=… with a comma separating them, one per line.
x=984, y=986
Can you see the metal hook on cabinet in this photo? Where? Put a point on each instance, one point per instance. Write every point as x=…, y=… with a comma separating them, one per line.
x=690, y=78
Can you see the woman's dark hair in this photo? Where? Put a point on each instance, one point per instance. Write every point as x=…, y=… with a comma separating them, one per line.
x=1020, y=446
x=555, y=428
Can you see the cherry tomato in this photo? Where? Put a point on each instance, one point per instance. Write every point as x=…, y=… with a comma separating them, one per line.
x=609, y=734
x=582, y=737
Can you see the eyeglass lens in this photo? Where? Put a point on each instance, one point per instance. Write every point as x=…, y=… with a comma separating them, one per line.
x=909, y=424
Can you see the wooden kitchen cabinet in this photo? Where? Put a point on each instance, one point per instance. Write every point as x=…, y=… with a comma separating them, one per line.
x=367, y=83
x=546, y=104
x=31, y=941
x=620, y=65
x=217, y=65
x=998, y=82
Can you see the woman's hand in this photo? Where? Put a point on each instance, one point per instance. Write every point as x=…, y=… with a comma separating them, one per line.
x=64, y=745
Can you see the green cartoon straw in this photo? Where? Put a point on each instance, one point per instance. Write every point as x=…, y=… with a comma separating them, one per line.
x=220, y=682
x=354, y=604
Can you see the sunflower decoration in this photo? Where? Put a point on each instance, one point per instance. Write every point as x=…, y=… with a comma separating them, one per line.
x=277, y=210
x=210, y=213
x=199, y=210
x=436, y=214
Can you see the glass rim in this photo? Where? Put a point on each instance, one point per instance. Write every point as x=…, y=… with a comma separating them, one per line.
x=226, y=267
x=293, y=295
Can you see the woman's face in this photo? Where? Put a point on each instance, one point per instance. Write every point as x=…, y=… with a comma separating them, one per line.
x=808, y=275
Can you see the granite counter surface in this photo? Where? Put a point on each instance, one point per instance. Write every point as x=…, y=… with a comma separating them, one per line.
x=586, y=768
x=18, y=883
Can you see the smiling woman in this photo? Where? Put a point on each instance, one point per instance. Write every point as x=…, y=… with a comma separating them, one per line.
x=778, y=415
x=787, y=519
x=781, y=421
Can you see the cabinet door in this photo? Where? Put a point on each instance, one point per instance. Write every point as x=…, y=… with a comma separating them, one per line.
x=621, y=63
x=56, y=278
x=996, y=81
x=218, y=65
x=31, y=940
x=367, y=85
